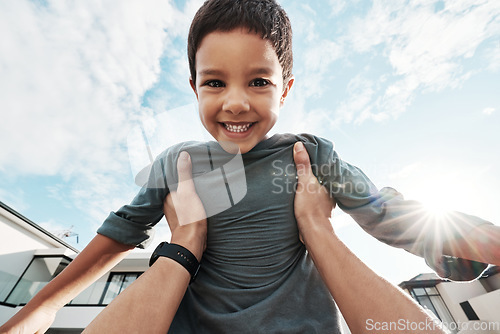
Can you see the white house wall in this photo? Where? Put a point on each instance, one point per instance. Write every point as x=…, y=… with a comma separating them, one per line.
x=67, y=317
x=455, y=293
x=75, y=316
x=14, y=238
x=17, y=246
x=487, y=306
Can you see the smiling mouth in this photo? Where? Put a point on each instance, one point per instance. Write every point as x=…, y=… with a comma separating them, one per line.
x=242, y=127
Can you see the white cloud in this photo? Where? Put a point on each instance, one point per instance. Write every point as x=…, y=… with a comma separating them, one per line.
x=493, y=57
x=15, y=200
x=73, y=78
x=74, y=74
x=56, y=228
x=425, y=48
x=407, y=49
x=337, y=6
x=488, y=111
x=315, y=55
x=359, y=95
x=317, y=58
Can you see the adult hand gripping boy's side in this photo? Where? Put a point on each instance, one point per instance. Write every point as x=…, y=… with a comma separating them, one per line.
x=313, y=206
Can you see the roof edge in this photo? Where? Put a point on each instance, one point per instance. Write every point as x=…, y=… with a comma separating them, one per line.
x=37, y=227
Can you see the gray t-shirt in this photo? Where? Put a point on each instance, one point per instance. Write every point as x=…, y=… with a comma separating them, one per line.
x=256, y=275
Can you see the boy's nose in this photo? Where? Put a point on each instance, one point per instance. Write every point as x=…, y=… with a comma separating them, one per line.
x=236, y=102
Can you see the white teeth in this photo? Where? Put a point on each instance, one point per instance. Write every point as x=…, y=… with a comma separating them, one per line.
x=237, y=128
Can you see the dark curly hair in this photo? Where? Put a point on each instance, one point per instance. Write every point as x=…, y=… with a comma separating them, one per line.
x=264, y=17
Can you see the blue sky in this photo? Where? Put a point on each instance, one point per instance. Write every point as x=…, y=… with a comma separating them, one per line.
x=407, y=90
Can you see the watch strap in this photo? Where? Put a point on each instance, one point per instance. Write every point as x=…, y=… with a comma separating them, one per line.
x=179, y=254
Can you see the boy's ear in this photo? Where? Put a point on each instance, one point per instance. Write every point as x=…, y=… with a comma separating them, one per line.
x=286, y=89
x=193, y=86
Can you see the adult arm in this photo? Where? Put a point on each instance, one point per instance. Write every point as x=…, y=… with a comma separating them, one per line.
x=149, y=304
x=364, y=298
x=100, y=255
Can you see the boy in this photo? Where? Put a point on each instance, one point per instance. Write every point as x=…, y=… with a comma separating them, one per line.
x=255, y=274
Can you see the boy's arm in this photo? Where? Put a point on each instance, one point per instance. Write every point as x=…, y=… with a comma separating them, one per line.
x=368, y=299
x=454, y=245
x=407, y=224
x=482, y=244
x=100, y=255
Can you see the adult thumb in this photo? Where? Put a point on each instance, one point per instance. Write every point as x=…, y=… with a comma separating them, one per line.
x=301, y=159
x=184, y=171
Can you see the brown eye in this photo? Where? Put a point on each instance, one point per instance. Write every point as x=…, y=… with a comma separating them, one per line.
x=214, y=83
x=259, y=82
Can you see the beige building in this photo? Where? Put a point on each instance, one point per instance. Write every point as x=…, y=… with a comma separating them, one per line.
x=472, y=307
x=31, y=256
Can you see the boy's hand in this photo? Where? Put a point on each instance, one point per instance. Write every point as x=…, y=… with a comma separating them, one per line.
x=312, y=201
x=29, y=321
x=184, y=211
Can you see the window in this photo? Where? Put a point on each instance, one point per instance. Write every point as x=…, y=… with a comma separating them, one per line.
x=469, y=311
x=117, y=283
x=40, y=271
x=102, y=293
x=430, y=299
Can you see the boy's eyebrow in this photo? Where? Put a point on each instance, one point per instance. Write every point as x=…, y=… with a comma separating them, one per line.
x=261, y=70
x=210, y=71
x=255, y=71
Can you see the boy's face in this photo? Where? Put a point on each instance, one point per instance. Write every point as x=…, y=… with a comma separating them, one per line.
x=239, y=87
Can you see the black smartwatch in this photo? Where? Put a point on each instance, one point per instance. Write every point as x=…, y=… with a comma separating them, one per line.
x=179, y=254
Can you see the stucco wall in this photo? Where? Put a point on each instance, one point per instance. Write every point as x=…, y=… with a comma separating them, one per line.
x=487, y=306
x=455, y=293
